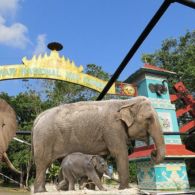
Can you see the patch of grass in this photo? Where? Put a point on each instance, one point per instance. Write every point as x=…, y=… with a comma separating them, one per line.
x=110, y=182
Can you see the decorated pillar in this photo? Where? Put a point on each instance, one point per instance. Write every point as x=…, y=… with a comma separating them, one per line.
x=151, y=82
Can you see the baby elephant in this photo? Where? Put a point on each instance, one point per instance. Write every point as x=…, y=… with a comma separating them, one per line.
x=81, y=167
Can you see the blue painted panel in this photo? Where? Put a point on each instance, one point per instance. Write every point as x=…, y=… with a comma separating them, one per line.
x=142, y=88
x=170, y=175
x=169, y=123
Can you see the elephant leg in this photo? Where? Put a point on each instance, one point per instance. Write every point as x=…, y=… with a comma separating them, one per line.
x=90, y=186
x=71, y=184
x=63, y=185
x=117, y=146
x=39, y=185
x=82, y=183
x=94, y=177
x=123, y=169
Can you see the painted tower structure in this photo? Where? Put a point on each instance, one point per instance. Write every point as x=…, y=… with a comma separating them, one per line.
x=151, y=82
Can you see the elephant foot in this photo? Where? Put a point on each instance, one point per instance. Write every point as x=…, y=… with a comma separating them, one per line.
x=103, y=189
x=62, y=188
x=122, y=187
x=90, y=186
x=39, y=189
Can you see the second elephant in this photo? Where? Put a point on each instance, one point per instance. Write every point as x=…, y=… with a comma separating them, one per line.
x=8, y=126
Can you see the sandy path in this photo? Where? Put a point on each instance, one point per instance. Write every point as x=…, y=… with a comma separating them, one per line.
x=111, y=190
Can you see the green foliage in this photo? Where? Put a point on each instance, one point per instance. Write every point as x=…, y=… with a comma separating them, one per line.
x=53, y=171
x=97, y=71
x=132, y=172
x=59, y=92
x=62, y=92
x=177, y=55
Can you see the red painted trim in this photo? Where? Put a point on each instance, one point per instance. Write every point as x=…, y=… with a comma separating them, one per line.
x=187, y=126
x=173, y=97
x=149, y=66
x=143, y=151
x=182, y=111
x=171, y=150
x=189, y=102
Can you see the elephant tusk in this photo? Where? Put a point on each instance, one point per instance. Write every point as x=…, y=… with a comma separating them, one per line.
x=22, y=141
x=112, y=178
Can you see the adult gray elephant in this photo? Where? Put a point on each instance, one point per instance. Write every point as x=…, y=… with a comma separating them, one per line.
x=8, y=126
x=101, y=128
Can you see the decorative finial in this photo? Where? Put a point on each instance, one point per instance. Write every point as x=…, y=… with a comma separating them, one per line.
x=52, y=60
x=145, y=60
x=55, y=46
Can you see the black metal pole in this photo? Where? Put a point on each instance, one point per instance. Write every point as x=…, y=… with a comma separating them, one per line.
x=188, y=3
x=136, y=45
x=164, y=133
x=174, y=133
x=23, y=132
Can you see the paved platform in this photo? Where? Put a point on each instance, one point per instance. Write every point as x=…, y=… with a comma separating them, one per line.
x=147, y=192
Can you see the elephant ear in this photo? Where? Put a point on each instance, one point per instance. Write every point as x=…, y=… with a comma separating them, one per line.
x=93, y=160
x=129, y=111
x=126, y=114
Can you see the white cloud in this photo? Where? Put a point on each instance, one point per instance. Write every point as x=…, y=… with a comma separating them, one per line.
x=8, y=7
x=13, y=35
x=41, y=45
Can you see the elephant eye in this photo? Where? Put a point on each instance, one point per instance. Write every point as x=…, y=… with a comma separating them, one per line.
x=149, y=118
x=102, y=164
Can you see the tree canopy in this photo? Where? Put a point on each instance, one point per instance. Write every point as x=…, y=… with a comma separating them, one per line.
x=58, y=92
x=177, y=55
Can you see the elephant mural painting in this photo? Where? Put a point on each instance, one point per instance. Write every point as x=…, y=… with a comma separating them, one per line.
x=96, y=128
x=8, y=126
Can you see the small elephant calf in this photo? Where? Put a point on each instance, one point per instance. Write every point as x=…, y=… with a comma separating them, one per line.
x=79, y=166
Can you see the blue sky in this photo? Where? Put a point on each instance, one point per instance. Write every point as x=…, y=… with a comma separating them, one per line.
x=91, y=31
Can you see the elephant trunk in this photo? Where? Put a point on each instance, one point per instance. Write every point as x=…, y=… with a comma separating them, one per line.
x=157, y=136
x=1, y=157
x=107, y=172
x=9, y=164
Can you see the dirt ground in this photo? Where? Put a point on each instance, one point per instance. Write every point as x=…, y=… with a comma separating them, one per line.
x=111, y=190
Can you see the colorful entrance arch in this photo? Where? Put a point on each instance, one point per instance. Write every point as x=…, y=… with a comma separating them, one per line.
x=60, y=68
